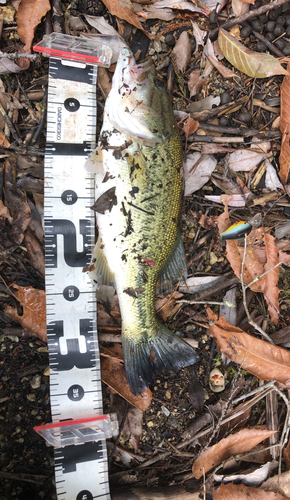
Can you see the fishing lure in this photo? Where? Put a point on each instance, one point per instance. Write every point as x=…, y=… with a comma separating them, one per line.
x=237, y=231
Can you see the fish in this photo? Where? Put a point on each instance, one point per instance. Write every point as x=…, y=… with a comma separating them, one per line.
x=137, y=167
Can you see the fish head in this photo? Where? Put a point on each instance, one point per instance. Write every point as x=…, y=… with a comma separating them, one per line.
x=135, y=106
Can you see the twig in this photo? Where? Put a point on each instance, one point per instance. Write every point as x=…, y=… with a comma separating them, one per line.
x=251, y=322
x=254, y=391
x=184, y=301
x=270, y=46
x=245, y=132
x=285, y=431
x=252, y=13
x=261, y=276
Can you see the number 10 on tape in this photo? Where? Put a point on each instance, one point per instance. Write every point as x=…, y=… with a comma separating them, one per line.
x=79, y=428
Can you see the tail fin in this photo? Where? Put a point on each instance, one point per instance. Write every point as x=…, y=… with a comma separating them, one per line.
x=164, y=352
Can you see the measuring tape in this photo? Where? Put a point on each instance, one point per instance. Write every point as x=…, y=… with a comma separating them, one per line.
x=79, y=428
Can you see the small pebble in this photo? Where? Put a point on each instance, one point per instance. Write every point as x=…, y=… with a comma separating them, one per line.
x=223, y=121
x=225, y=97
x=245, y=117
x=150, y=424
x=13, y=338
x=31, y=397
x=170, y=40
x=36, y=382
x=157, y=46
x=168, y=394
x=165, y=411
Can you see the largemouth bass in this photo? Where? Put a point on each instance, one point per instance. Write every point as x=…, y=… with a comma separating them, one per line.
x=138, y=189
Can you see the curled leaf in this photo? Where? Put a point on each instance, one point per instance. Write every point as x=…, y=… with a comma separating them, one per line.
x=240, y=442
x=262, y=359
x=251, y=63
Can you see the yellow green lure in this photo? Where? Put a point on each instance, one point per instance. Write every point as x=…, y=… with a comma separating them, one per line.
x=237, y=231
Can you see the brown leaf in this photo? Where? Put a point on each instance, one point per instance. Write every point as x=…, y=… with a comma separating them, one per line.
x=254, y=266
x=34, y=310
x=35, y=251
x=284, y=159
x=279, y=483
x=262, y=359
x=113, y=374
x=165, y=305
x=240, y=442
x=189, y=126
x=124, y=10
x=242, y=492
x=251, y=63
x=182, y=52
x=29, y=15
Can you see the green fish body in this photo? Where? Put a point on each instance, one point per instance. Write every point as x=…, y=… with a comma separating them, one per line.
x=138, y=190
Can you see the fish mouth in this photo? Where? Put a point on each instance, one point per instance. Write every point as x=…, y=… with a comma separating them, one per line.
x=128, y=72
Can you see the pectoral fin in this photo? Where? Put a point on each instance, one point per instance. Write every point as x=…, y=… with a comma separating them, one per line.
x=99, y=271
x=174, y=269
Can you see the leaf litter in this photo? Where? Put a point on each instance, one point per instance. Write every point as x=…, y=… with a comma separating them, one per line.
x=226, y=113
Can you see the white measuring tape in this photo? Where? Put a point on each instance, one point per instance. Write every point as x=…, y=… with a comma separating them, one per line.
x=79, y=428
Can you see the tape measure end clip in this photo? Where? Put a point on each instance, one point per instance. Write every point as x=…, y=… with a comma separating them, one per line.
x=85, y=430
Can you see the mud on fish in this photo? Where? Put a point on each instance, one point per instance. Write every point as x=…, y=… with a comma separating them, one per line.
x=138, y=189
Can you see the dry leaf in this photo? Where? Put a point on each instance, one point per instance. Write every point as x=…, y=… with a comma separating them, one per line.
x=253, y=264
x=113, y=374
x=197, y=170
x=271, y=179
x=29, y=15
x=34, y=310
x=209, y=52
x=234, y=200
x=241, y=492
x=165, y=305
x=239, y=7
x=182, y=52
x=284, y=159
x=189, y=126
x=240, y=442
x=198, y=35
x=244, y=160
x=262, y=359
x=124, y=10
x=251, y=63
x=279, y=483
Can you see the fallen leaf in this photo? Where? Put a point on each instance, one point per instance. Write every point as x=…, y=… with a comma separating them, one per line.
x=253, y=266
x=165, y=306
x=209, y=52
x=124, y=10
x=29, y=15
x=189, y=126
x=280, y=483
x=228, y=309
x=239, y=7
x=113, y=374
x=244, y=160
x=251, y=63
x=264, y=360
x=235, y=200
x=182, y=52
x=241, y=492
x=252, y=478
x=206, y=103
x=286, y=455
x=34, y=310
x=199, y=35
x=197, y=170
x=196, y=79
x=284, y=159
x=271, y=179
x=240, y=442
